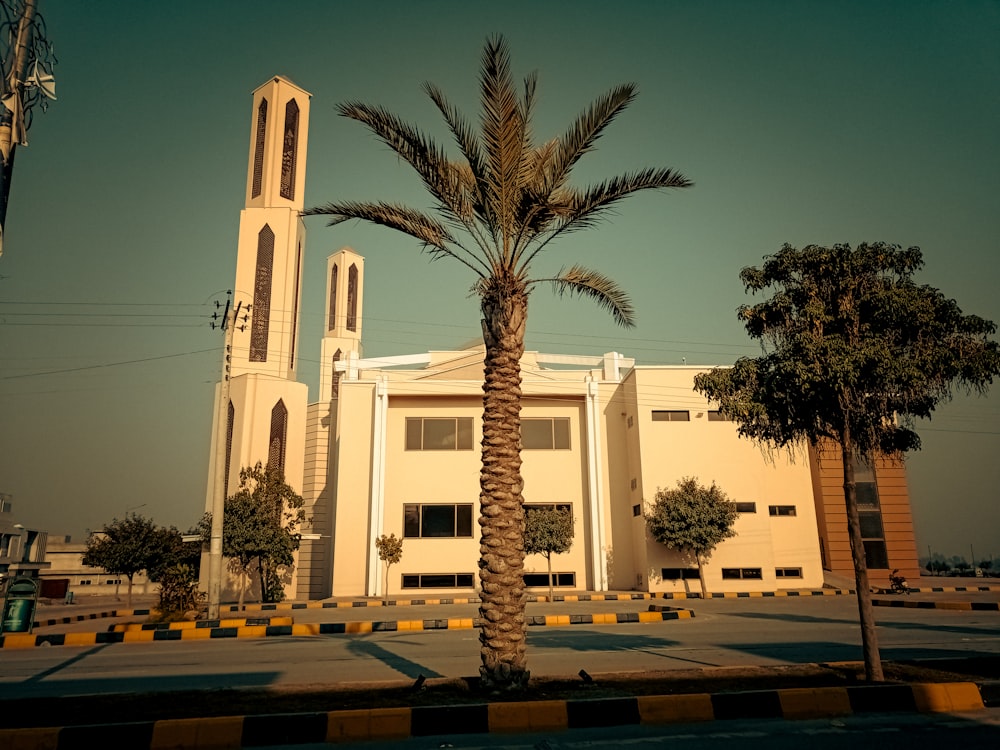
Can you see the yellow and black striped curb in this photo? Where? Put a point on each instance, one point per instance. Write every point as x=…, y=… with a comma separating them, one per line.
x=535, y=716
x=209, y=629
x=90, y=616
x=633, y=596
x=940, y=589
x=962, y=606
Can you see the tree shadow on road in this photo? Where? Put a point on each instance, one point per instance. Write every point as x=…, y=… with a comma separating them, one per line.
x=401, y=664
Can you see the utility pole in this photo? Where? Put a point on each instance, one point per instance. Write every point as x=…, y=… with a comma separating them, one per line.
x=228, y=326
x=20, y=91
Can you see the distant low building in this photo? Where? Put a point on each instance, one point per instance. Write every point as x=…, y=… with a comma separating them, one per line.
x=22, y=550
x=65, y=559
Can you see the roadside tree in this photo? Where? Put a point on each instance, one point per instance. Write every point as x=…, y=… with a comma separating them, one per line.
x=548, y=531
x=692, y=519
x=506, y=198
x=390, y=551
x=853, y=351
x=131, y=545
x=260, y=525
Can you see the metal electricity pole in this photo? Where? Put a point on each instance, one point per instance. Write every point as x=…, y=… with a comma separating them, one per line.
x=228, y=325
x=25, y=80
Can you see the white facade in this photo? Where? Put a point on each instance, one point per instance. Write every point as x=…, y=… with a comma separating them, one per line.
x=392, y=445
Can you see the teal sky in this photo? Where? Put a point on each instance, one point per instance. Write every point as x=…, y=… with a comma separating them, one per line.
x=800, y=122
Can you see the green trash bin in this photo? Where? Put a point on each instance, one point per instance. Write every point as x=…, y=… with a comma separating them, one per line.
x=19, y=606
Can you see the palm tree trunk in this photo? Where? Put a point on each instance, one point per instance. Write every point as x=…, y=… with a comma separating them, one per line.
x=869, y=636
x=501, y=548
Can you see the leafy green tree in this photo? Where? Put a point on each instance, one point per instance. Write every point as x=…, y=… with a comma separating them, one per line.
x=129, y=546
x=497, y=208
x=854, y=350
x=548, y=531
x=693, y=519
x=390, y=551
x=178, y=592
x=260, y=525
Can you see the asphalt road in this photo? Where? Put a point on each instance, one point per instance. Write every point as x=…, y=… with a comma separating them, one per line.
x=724, y=632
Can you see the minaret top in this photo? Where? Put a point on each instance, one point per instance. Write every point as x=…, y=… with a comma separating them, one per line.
x=276, y=173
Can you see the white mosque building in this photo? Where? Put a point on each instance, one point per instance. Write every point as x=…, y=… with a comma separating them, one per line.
x=392, y=444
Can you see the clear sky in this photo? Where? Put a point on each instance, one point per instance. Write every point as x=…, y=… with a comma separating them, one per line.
x=800, y=122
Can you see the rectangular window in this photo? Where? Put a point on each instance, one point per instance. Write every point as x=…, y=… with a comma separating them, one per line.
x=439, y=433
x=636, y=510
x=438, y=581
x=542, y=579
x=678, y=574
x=714, y=415
x=545, y=434
x=781, y=510
x=865, y=483
x=876, y=555
x=871, y=525
x=437, y=521
x=672, y=416
x=746, y=507
x=744, y=574
x=788, y=572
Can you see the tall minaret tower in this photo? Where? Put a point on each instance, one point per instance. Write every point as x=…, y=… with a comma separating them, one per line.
x=266, y=419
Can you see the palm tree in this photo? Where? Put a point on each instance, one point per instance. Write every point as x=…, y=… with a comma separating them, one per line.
x=496, y=209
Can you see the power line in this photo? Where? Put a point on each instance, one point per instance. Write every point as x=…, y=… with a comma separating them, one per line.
x=106, y=364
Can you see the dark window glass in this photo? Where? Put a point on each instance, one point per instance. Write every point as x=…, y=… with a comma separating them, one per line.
x=414, y=432
x=463, y=580
x=437, y=520
x=463, y=520
x=673, y=415
x=437, y=581
x=781, y=510
x=289, y=150
x=258, y=149
x=560, y=433
x=871, y=525
x=876, y=555
x=788, y=572
x=542, y=579
x=411, y=582
x=352, y=298
x=545, y=434
x=746, y=507
x=411, y=520
x=261, y=315
x=674, y=574
x=636, y=510
x=867, y=494
x=742, y=573
x=464, y=433
x=717, y=416
x=332, y=321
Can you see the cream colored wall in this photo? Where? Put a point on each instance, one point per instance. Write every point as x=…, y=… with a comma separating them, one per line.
x=446, y=476
x=713, y=451
x=278, y=91
x=351, y=475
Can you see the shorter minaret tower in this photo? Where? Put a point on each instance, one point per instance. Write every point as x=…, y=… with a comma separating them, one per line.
x=345, y=271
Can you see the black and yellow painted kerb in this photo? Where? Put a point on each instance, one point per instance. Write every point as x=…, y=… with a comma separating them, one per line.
x=515, y=717
x=264, y=627
x=961, y=606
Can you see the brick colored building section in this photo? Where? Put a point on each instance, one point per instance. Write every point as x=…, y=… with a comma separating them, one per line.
x=831, y=515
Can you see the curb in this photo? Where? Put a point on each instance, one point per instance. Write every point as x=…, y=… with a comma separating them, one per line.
x=963, y=606
x=531, y=716
x=265, y=627
x=89, y=616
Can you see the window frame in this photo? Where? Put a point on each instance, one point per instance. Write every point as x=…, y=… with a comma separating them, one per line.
x=556, y=434
x=457, y=520
x=464, y=438
x=672, y=415
x=742, y=574
x=779, y=511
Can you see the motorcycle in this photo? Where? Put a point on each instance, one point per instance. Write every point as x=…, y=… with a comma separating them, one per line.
x=898, y=583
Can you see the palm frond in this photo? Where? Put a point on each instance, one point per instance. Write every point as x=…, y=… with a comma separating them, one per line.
x=588, y=206
x=604, y=290
x=433, y=235
x=427, y=158
x=583, y=134
x=468, y=143
x=502, y=132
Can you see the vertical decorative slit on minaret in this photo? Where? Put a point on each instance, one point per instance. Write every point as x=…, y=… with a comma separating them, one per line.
x=279, y=433
x=288, y=150
x=332, y=322
x=258, y=149
x=352, y=298
x=262, y=295
x=230, y=418
x=295, y=306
